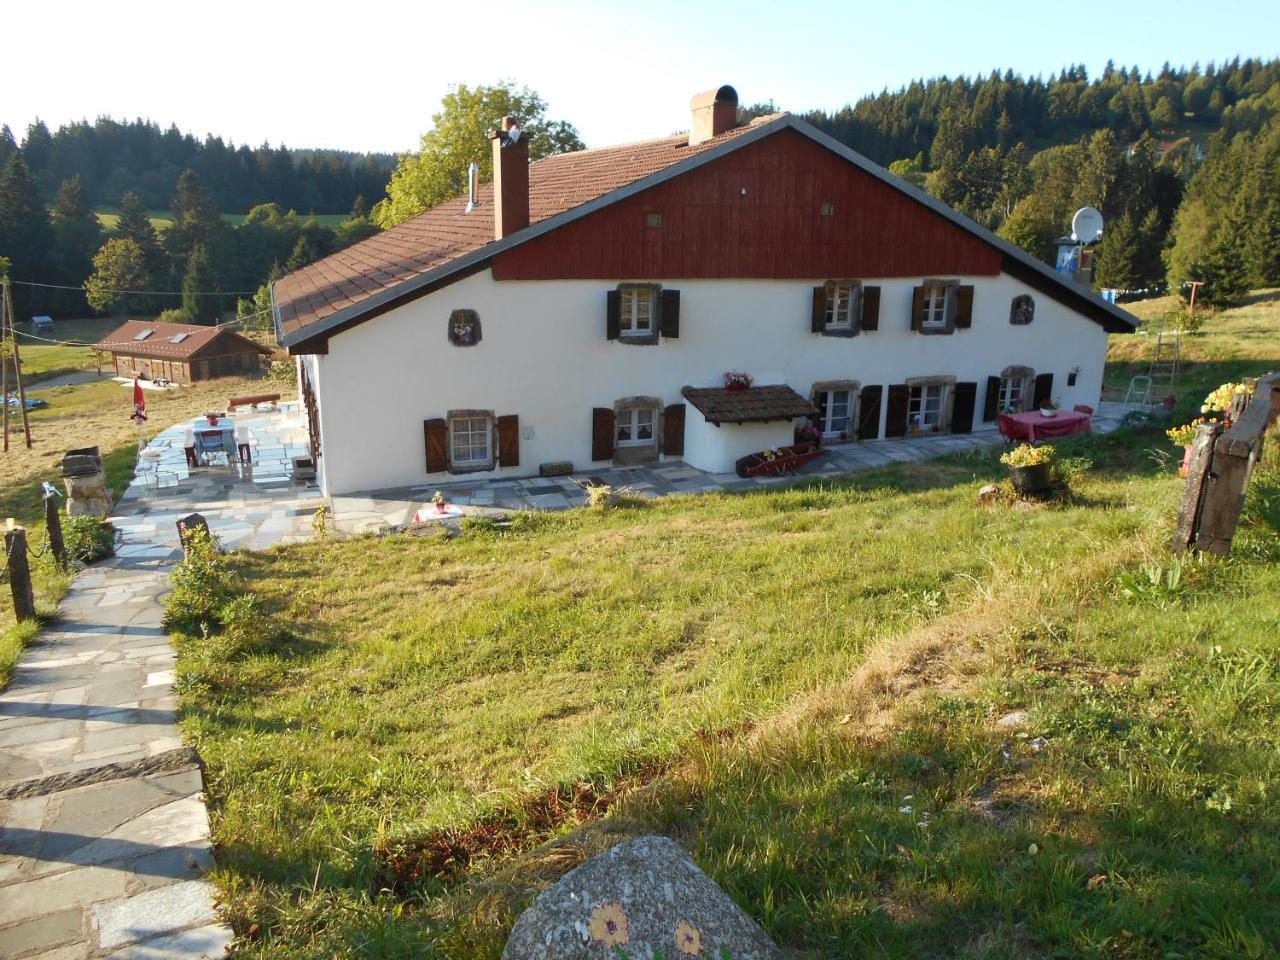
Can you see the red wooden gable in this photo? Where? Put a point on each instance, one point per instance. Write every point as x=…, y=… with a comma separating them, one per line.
x=757, y=213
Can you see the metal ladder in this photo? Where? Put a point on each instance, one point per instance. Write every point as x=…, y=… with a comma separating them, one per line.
x=1139, y=392
x=1164, y=362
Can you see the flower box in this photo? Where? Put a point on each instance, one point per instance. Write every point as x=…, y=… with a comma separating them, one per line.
x=783, y=460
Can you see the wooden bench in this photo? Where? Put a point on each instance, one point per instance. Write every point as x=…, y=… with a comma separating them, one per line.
x=253, y=400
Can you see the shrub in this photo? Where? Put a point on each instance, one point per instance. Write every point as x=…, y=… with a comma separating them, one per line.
x=601, y=495
x=1025, y=455
x=1070, y=469
x=246, y=627
x=175, y=315
x=86, y=539
x=201, y=587
x=282, y=371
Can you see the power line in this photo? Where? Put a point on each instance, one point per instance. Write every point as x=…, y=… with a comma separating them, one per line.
x=77, y=343
x=148, y=293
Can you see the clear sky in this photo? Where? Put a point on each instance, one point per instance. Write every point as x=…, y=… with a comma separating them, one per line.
x=368, y=76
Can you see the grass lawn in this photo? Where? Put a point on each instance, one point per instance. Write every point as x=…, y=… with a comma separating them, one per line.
x=42, y=361
x=93, y=414
x=1232, y=343
x=163, y=219
x=803, y=686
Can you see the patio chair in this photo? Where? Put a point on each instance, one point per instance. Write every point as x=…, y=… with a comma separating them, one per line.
x=1083, y=408
x=1005, y=424
x=209, y=444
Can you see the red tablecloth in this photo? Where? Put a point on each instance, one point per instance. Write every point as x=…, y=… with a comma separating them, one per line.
x=1035, y=426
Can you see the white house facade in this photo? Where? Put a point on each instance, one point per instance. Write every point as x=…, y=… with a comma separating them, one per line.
x=523, y=354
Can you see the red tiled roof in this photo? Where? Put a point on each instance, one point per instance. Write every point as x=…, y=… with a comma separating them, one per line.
x=160, y=344
x=446, y=232
x=753, y=405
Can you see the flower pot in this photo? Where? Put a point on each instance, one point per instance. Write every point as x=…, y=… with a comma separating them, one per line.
x=736, y=386
x=1029, y=481
x=441, y=507
x=1186, y=460
x=1046, y=412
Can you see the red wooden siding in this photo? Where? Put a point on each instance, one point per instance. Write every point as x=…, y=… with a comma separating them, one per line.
x=776, y=231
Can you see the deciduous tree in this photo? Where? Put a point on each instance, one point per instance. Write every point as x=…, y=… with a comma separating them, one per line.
x=119, y=266
x=458, y=137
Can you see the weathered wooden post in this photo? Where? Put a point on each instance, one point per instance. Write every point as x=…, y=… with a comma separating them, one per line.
x=53, y=523
x=15, y=548
x=187, y=526
x=1199, y=470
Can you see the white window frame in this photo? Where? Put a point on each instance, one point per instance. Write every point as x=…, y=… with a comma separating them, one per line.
x=826, y=412
x=840, y=298
x=476, y=425
x=936, y=298
x=629, y=418
x=1007, y=385
x=631, y=316
x=920, y=407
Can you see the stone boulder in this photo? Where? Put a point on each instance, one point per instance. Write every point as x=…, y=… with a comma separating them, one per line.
x=644, y=897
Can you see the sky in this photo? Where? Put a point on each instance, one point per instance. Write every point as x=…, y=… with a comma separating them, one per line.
x=368, y=76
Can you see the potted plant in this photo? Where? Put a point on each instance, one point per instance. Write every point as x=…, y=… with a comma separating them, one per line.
x=1048, y=409
x=808, y=434
x=438, y=499
x=1185, y=437
x=1222, y=399
x=737, y=380
x=1030, y=468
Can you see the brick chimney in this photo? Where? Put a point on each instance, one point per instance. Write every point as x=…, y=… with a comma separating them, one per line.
x=510, y=179
x=714, y=112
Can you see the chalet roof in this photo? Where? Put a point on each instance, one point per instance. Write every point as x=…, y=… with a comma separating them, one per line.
x=446, y=243
x=444, y=233
x=752, y=405
x=172, y=341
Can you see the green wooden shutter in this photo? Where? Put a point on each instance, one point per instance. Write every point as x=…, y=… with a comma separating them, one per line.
x=1044, y=389
x=436, y=433
x=673, y=430
x=509, y=440
x=917, y=312
x=869, y=412
x=612, y=315
x=870, y=319
x=602, y=427
x=964, y=398
x=991, y=405
x=671, y=313
x=818, y=317
x=964, y=307
x=898, y=408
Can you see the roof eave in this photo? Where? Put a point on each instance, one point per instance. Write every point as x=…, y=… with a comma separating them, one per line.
x=322, y=328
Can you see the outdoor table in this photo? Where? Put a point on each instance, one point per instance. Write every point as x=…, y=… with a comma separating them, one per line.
x=224, y=425
x=1033, y=425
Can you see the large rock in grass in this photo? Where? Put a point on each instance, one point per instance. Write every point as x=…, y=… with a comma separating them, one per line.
x=646, y=897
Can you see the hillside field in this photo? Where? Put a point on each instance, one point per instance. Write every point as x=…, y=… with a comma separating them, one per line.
x=888, y=722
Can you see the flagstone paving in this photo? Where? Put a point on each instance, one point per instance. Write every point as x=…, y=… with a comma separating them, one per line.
x=104, y=837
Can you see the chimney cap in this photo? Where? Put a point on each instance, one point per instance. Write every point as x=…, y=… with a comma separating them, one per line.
x=723, y=94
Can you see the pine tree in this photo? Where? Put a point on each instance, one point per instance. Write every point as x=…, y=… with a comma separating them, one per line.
x=197, y=282
x=1116, y=264
x=1224, y=268
x=25, y=236
x=1151, y=236
x=196, y=221
x=359, y=210
x=77, y=235
x=134, y=223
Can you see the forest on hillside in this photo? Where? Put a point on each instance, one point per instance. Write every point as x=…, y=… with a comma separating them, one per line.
x=1185, y=166
x=115, y=158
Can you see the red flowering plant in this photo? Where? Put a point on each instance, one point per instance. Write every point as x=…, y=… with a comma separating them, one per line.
x=737, y=380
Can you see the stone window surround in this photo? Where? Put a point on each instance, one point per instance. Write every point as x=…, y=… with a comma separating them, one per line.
x=645, y=453
x=855, y=391
x=655, y=315
x=450, y=416
x=948, y=400
x=1026, y=373
x=853, y=327
x=952, y=292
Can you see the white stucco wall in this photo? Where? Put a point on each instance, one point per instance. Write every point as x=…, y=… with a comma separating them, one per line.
x=544, y=357
x=717, y=449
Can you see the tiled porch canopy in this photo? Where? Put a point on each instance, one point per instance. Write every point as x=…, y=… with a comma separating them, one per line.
x=752, y=405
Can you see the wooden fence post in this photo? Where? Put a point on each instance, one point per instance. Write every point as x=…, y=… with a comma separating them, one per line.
x=53, y=522
x=1199, y=471
x=15, y=546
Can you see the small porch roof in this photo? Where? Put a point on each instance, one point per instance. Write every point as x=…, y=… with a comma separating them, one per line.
x=752, y=405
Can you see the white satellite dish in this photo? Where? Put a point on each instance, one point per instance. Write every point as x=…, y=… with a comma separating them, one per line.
x=1086, y=225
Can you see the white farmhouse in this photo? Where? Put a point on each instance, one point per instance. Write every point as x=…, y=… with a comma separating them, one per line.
x=585, y=308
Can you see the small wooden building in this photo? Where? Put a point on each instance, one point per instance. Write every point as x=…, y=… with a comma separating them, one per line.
x=181, y=352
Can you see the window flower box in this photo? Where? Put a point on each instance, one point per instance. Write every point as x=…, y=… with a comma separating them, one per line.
x=774, y=463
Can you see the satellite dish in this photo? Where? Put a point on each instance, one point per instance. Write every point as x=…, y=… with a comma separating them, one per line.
x=1086, y=225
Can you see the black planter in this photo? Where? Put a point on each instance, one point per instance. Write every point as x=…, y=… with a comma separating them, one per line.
x=1032, y=481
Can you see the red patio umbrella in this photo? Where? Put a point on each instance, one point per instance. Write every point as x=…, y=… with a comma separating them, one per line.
x=139, y=403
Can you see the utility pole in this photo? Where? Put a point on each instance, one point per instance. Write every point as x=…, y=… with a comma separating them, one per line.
x=9, y=344
x=1194, y=285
